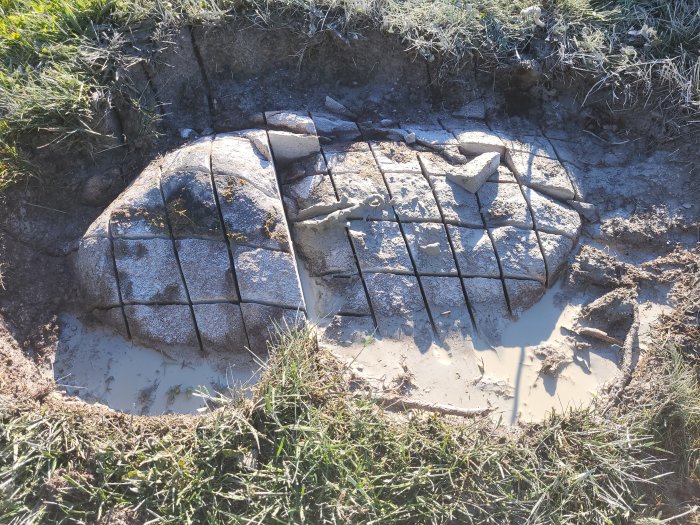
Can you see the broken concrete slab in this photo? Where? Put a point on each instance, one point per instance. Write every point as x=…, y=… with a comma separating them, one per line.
x=430, y=248
x=336, y=107
x=540, y=173
x=148, y=271
x=191, y=206
x=412, y=197
x=488, y=304
x=519, y=253
x=522, y=294
x=264, y=324
x=399, y=307
x=476, y=171
x=474, y=252
x=139, y=212
x=95, y=266
x=289, y=147
x=458, y=206
x=206, y=267
x=503, y=175
x=251, y=217
x=552, y=216
x=504, y=205
x=306, y=193
x=294, y=121
x=449, y=160
x=339, y=295
x=448, y=306
x=395, y=157
x=557, y=250
x=333, y=128
x=346, y=330
x=380, y=247
x=430, y=136
x=268, y=277
x=474, y=137
x=234, y=157
x=161, y=325
x=335, y=257
x=220, y=327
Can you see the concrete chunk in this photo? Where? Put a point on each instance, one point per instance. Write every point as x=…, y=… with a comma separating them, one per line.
x=522, y=294
x=504, y=205
x=220, y=327
x=430, y=248
x=457, y=204
x=293, y=121
x=267, y=276
x=552, y=216
x=380, y=247
x=148, y=271
x=207, y=270
x=289, y=147
x=476, y=171
x=412, y=197
x=540, y=173
x=474, y=252
x=519, y=253
x=161, y=325
x=475, y=138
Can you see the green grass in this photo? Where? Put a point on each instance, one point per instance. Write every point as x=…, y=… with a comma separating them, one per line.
x=58, y=56
x=304, y=450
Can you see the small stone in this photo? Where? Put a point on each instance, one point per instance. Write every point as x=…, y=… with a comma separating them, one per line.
x=587, y=210
x=687, y=205
x=338, y=108
x=186, y=133
x=476, y=171
x=380, y=246
x=269, y=277
x=410, y=138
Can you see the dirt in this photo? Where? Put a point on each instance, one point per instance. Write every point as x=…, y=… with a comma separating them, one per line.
x=645, y=192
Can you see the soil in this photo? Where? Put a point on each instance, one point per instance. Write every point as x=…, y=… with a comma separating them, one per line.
x=644, y=190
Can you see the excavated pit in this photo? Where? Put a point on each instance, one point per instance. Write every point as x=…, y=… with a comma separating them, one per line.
x=375, y=224
x=369, y=233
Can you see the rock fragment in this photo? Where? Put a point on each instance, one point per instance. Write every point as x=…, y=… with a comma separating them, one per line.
x=476, y=171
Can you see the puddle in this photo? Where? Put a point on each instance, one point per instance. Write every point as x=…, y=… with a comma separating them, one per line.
x=101, y=367
x=507, y=377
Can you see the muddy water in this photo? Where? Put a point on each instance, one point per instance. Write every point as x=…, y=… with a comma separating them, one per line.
x=100, y=366
x=507, y=376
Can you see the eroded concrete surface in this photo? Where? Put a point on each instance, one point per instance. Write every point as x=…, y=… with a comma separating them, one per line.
x=413, y=247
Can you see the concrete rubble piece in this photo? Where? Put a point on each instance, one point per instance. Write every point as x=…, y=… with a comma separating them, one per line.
x=432, y=233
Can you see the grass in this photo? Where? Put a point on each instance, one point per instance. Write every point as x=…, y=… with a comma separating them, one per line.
x=306, y=448
x=60, y=59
